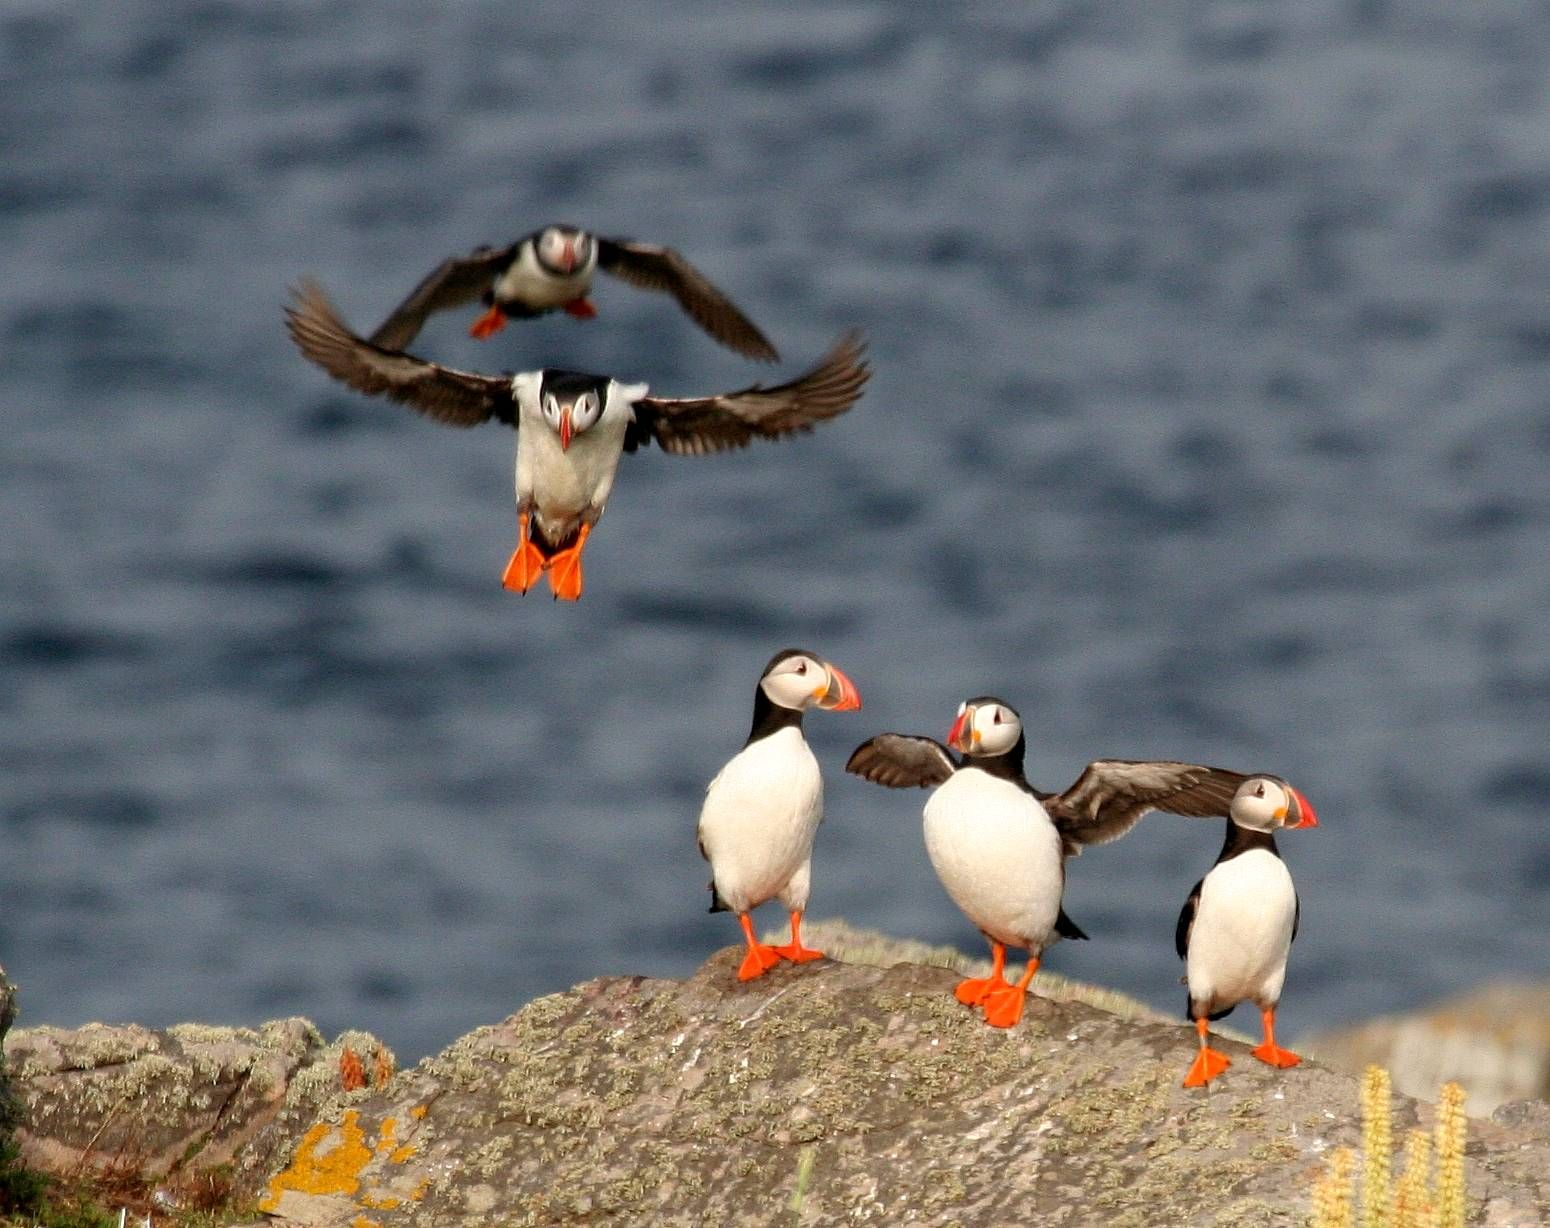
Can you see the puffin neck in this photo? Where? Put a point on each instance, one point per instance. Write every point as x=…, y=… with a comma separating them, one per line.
x=1008, y=765
x=769, y=717
x=1245, y=840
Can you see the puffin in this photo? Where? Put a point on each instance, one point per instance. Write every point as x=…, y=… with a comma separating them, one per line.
x=552, y=269
x=999, y=845
x=571, y=427
x=1236, y=929
x=763, y=808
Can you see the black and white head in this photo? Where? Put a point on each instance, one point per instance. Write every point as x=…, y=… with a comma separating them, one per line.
x=1268, y=803
x=799, y=680
x=985, y=726
x=571, y=403
x=564, y=251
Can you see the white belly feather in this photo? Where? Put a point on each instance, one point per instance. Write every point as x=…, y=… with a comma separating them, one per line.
x=999, y=856
x=1242, y=932
x=564, y=486
x=758, y=822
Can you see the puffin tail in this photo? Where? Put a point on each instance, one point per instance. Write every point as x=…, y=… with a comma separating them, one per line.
x=1066, y=927
x=717, y=904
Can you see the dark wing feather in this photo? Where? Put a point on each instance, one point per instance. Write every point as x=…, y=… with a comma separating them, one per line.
x=1186, y=921
x=458, y=398
x=1111, y=795
x=713, y=424
x=900, y=761
x=452, y=283
x=661, y=268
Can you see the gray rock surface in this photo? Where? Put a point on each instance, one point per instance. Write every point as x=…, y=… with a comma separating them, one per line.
x=186, y=1100
x=842, y=1094
x=1494, y=1041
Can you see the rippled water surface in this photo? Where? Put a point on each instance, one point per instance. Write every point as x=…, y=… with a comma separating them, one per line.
x=1209, y=421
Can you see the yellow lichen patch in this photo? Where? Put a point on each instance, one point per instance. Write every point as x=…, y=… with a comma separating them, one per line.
x=419, y=1111
x=336, y=1170
x=423, y=1184
x=386, y=1203
x=386, y=1136
x=402, y=1154
x=360, y=1221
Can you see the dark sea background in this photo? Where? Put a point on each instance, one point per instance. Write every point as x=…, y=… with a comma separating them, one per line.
x=1210, y=420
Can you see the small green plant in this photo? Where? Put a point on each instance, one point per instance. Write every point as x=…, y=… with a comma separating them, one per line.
x=1413, y=1200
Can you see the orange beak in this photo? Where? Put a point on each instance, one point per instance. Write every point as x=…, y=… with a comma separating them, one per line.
x=959, y=725
x=841, y=694
x=565, y=429
x=1305, y=813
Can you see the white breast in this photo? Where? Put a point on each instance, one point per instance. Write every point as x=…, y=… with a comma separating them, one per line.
x=997, y=853
x=564, y=485
x=759, y=818
x=1242, y=932
x=526, y=281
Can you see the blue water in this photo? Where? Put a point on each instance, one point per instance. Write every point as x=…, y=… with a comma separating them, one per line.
x=1211, y=419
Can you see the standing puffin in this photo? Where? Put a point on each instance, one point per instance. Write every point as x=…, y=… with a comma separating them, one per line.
x=552, y=270
x=763, y=808
x=1237, y=926
x=571, y=428
x=999, y=845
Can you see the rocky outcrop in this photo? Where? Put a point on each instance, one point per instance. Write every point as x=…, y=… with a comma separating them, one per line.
x=837, y=1094
x=1495, y=1041
x=832, y=1093
x=183, y=1101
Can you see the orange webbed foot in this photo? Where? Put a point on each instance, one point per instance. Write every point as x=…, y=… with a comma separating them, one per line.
x=797, y=953
x=1004, y=1006
x=526, y=565
x=759, y=960
x=1274, y=1055
x=565, y=575
x=487, y=325
x=1207, y=1065
x=580, y=309
x=975, y=990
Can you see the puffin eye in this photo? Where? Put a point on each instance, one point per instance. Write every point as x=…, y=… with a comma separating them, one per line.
x=801, y=667
x=997, y=719
x=1259, y=791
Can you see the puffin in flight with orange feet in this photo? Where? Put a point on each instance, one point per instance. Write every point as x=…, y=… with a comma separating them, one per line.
x=999, y=845
x=1237, y=926
x=762, y=810
x=552, y=270
x=571, y=428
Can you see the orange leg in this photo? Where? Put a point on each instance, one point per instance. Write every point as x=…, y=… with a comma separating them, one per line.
x=1208, y=1062
x=565, y=568
x=974, y=991
x=487, y=325
x=794, y=950
x=1271, y=1052
x=580, y=308
x=1004, y=1006
x=760, y=958
x=527, y=561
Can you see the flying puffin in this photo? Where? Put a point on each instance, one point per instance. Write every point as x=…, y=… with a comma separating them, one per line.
x=999, y=845
x=1237, y=926
x=571, y=428
x=763, y=808
x=552, y=270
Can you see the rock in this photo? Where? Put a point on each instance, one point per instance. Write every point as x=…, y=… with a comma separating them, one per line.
x=191, y=1099
x=840, y=1093
x=1494, y=1041
x=7, y=1005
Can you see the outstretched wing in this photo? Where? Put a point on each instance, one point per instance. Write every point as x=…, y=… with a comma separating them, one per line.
x=452, y=283
x=900, y=761
x=661, y=268
x=458, y=398
x=1111, y=795
x=713, y=424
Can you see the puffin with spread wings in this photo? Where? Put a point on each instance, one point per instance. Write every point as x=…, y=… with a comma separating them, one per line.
x=552, y=270
x=999, y=845
x=572, y=428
